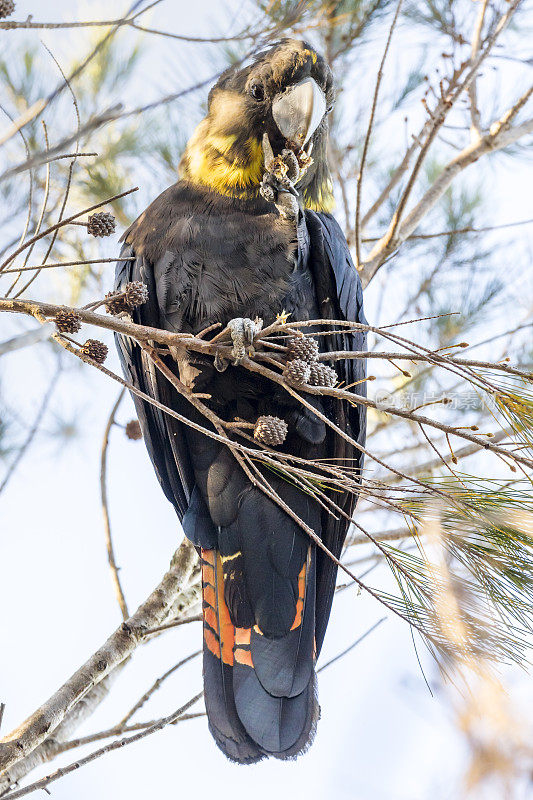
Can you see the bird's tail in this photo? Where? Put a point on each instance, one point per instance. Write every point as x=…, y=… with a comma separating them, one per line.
x=260, y=693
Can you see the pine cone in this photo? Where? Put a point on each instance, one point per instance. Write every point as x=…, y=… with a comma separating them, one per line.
x=133, y=430
x=297, y=372
x=95, y=350
x=322, y=375
x=135, y=293
x=101, y=223
x=116, y=306
x=304, y=347
x=271, y=431
x=67, y=321
x=6, y=8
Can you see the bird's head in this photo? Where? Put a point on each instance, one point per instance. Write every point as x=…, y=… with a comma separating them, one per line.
x=286, y=93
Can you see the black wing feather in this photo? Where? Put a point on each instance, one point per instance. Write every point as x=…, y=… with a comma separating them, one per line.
x=339, y=296
x=163, y=434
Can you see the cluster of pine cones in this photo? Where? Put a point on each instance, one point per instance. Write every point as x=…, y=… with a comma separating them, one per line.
x=303, y=366
x=134, y=294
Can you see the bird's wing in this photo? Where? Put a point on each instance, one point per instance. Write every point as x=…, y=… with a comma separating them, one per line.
x=163, y=434
x=340, y=296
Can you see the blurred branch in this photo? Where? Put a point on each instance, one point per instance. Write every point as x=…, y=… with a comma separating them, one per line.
x=455, y=231
x=38, y=107
x=25, y=339
x=33, y=430
x=119, y=593
x=475, y=128
x=500, y=136
x=48, y=155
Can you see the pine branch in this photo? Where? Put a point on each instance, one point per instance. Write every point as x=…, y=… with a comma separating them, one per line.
x=113, y=652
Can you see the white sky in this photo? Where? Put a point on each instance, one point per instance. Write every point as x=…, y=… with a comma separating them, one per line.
x=382, y=736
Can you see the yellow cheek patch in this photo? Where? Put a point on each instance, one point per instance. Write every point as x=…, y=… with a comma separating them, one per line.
x=213, y=160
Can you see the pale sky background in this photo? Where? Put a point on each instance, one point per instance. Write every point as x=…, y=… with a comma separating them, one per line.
x=382, y=736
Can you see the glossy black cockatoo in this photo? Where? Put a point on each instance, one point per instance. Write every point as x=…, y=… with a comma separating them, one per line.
x=233, y=240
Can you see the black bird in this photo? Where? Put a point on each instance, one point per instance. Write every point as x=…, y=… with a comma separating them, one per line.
x=238, y=237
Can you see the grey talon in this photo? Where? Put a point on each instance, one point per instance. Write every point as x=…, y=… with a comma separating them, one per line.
x=221, y=364
x=243, y=331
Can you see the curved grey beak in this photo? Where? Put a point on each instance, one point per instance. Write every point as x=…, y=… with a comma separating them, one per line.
x=299, y=110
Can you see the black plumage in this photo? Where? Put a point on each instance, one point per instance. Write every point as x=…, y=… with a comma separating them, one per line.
x=207, y=257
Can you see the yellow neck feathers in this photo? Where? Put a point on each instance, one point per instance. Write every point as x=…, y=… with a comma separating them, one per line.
x=234, y=169
x=211, y=160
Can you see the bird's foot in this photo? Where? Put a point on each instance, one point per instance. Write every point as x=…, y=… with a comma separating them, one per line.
x=277, y=186
x=242, y=331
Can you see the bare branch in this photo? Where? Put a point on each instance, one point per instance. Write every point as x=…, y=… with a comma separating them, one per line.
x=38, y=107
x=397, y=231
x=475, y=128
x=116, y=745
x=367, y=137
x=25, y=339
x=455, y=231
x=70, y=264
x=46, y=156
x=500, y=136
x=117, y=730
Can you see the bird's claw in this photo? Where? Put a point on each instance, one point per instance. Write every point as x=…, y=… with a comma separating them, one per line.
x=242, y=331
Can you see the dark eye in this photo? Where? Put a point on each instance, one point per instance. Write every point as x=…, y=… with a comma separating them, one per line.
x=257, y=91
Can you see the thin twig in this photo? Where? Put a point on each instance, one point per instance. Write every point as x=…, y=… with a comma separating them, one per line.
x=175, y=624
x=118, y=647
x=23, y=449
x=44, y=782
x=367, y=137
x=118, y=730
x=456, y=231
x=155, y=686
x=66, y=221
x=71, y=264
x=351, y=647
x=119, y=593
